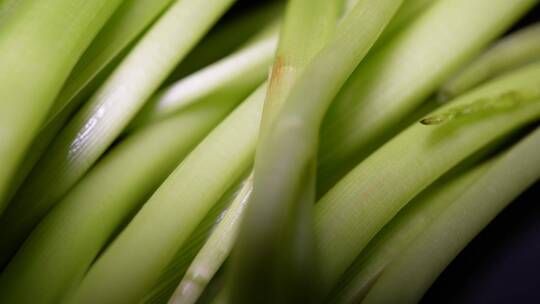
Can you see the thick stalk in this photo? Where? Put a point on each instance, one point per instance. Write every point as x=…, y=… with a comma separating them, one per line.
x=306, y=28
x=164, y=288
x=392, y=82
x=61, y=248
x=514, y=51
x=416, y=268
x=105, y=51
x=284, y=180
x=402, y=230
x=234, y=76
x=95, y=127
x=215, y=251
x=352, y=212
x=224, y=39
x=130, y=266
x=38, y=68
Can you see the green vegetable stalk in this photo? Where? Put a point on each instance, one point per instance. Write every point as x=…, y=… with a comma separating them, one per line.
x=353, y=211
x=95, y=127
x=34, y=69
x=418, y=265
x=393, y=81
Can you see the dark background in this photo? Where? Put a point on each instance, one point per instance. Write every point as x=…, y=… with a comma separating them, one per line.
x=502, y=265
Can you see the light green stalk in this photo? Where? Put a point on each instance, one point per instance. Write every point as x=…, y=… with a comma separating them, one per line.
x=163, y=288
x=392, y=82
x=353, y=211
x=402, y=230
x=514, y=51
x=40, y=42
x=130, y=266
x=307, y=26
x=131, y=19
x=416, y=268
x=105, y=51
x=231, y=33
x=215, y=251
x=273, y=239
x=6, y=9
x=408, y=13
x=233, y=76
x=104, y=117
x=63, y=245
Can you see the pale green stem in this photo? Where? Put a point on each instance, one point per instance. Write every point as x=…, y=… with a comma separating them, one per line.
x=225, y=38
x=40, y=42
x=408, y=13
x=130, y=266
x=511, y=52
x=353, y=211
x=410, y=275
x=402, y=230
x=214, y=252
x=61, y=248
x=105, y=51
x=95, y=127
x=307, y=26
x=163, y=288
x=284, y=165
x=392, y=82
x=234, y=76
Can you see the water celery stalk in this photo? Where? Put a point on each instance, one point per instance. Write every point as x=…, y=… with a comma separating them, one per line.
x=71, y=235
x=407, y=14
x=416, y=268
x=284, y=166
x=392, y=82
x=402, y=230
x=128, y=23
x=227, y=37
x=511, y=52
x=38, y=68
x=234, y=76
x=94, y=128
x=105, y=51
x=307, y=26
x=215, y=250
x=130, y=266
x=353, y=211
x=164, y=288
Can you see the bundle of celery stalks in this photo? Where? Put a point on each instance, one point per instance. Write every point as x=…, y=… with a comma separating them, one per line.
x=300, y=151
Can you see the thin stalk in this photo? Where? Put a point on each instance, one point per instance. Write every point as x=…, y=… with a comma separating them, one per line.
x=134, y=261
x=34, y=68
x=234, y=76
x=164, y=287
x=62, y=247
x=416, y=268
x=353, y=211
x=103, y=54
x=95, y=127
x=511, y=52
x=6, y=9
x=269, y=256
x=307, y=26
x=131, y=19
x=402, y=230
x=392, y=82
x=227, y=36
x=405, y=16
x=219, y=245
x=215, y=251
